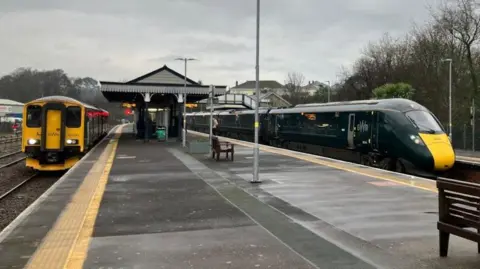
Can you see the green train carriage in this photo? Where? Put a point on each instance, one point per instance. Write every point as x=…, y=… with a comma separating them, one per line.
x=395, y=134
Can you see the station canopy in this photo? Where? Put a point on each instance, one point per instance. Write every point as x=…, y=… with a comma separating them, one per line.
x=164, y=85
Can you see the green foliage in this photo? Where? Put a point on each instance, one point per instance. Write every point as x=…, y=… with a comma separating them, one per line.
x=25, y=84
x=394, y=90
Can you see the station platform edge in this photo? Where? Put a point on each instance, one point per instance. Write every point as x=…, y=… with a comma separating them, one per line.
x=134, y=205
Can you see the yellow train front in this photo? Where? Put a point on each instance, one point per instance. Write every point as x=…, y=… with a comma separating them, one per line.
x=58, y=131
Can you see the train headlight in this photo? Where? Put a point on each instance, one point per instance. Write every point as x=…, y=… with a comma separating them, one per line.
x=416, y=139
x=32, y=141
x=72, y=141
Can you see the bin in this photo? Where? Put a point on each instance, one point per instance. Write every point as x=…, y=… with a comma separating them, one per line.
x=161, y=133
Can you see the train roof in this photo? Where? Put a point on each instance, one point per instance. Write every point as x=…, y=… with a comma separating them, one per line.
x=58, y=98
x=228, y=112
x=396, y=104
x=393, y=104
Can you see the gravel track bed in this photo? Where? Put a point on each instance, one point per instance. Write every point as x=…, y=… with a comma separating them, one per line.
x=12, y=158
x=12, y=205
x=11, y=147
x=13, y=175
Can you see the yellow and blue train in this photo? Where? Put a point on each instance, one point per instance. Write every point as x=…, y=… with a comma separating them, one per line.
x=59, y=130
x=394, y=134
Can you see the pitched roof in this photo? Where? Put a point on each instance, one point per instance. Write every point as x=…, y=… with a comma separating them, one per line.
x=8, y=102
x=275, y=94
x=166, y=69
x=262, y=84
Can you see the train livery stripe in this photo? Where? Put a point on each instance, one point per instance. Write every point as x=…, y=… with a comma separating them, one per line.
x=411, y=181
x=66, y=244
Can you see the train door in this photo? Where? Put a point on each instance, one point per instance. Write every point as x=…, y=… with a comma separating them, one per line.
x=374, y=130
x=54, y=127
x=351, y=130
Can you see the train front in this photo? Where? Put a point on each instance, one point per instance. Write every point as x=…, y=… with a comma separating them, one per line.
x=52, y=135
x=433, y=146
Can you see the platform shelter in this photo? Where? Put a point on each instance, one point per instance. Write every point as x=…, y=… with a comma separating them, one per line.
x=158, y=98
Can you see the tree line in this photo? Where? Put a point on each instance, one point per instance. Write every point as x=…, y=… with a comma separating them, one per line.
x=416, y=66
x=26, y=84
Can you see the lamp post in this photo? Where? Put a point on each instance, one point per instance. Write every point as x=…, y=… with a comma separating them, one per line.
x=328, y=91
x=257, y=95
x=449, y=97
x=184, y=133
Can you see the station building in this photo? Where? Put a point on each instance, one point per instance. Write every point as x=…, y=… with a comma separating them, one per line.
x=158, y=98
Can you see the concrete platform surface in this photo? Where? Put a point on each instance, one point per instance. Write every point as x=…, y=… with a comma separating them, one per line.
x=467, y=156
x=152, y=205
x=164, y=209
x=389, y=224
x=20, y=239
x=467, y=153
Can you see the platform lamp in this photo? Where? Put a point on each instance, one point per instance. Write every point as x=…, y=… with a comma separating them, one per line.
x=449, y=96
x=255, y=178
x=328, y=91
x=184, y=133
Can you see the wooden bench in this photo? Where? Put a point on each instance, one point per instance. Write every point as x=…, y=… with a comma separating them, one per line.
x=459, y=211
x=219, y=147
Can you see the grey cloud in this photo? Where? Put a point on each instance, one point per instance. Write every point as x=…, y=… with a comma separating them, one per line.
x=114, y=39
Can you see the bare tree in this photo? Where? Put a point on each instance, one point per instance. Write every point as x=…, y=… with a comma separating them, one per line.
x=295, y=93
x=462, y=21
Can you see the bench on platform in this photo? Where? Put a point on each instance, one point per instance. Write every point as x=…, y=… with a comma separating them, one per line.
x=219, y=147
x=459, y=211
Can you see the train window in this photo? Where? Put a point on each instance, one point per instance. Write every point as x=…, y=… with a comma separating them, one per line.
x=310, y=116
x=34, y=116
x=74, y=117
x=424, y=121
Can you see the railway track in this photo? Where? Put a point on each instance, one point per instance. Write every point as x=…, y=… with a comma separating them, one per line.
x=16, y=187
x=18, y=192
x=11, y=159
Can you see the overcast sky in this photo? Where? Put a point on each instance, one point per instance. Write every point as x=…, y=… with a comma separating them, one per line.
x=122, y=39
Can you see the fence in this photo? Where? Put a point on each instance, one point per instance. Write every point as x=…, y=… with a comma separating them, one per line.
x=464, y=137
x=9, y=143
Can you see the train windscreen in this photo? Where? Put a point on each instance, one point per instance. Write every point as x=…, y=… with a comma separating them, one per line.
x=34, y=116
x=424, y=121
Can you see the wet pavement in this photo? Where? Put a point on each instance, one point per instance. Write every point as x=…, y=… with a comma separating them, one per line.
x=389, y=224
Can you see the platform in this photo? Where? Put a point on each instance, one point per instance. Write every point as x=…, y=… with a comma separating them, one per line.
x=130, y=204
x=468, y=156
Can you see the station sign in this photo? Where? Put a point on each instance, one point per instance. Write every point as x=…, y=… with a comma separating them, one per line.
x=128, y=105
x=5, y=109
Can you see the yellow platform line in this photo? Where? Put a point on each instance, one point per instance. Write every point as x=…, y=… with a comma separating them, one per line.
x=423, y=184
x=66, y=244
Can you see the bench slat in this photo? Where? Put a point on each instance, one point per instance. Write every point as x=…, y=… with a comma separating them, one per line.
x=455, y=187
x=474, y=213
x=458, y=231
x=472, y=199
x=464, y=222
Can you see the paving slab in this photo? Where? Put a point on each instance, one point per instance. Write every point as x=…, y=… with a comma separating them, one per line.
x=19, y=241
x=157, y=213
x=391, y=225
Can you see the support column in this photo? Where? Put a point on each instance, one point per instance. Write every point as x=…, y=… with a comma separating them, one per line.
x=146, y=98
x=179, y=120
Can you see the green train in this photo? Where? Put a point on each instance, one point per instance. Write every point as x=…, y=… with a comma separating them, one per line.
x=394, y=134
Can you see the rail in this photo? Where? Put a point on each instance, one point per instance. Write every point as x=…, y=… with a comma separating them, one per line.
x=9, y=142
x=12, y=163
x=16, y=187
x=459, y=211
